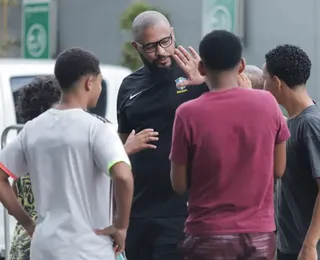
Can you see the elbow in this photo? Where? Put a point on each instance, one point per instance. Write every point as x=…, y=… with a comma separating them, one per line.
x=279, y=173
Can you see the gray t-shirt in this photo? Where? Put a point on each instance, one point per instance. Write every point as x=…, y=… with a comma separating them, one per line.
x=297, y=190
x=67, y=153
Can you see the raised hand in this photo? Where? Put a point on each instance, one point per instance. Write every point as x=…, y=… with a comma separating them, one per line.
x=244, y=81
x=189, y=65
x=140, y=141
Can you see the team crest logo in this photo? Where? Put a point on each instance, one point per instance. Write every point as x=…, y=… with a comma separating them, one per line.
x=181, y=89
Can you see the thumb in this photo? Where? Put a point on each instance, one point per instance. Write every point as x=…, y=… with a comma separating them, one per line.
x=184, y=83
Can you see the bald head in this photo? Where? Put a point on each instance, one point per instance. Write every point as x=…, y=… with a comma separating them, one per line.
x=145, y=20
x=255, y=75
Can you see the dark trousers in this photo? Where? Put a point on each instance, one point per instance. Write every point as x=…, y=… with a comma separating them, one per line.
x=283, y=256
x=154, y=238
x=257, y=246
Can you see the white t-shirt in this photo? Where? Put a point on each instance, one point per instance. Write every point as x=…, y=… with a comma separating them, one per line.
x=67, y=153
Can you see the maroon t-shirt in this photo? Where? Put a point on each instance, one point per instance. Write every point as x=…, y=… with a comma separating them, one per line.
x=228, y=139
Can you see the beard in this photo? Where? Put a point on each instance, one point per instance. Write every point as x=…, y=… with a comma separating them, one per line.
x=154, y=67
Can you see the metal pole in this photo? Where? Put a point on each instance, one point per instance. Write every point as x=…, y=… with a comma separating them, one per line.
x=6, y=219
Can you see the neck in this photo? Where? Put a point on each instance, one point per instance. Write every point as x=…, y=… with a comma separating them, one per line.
x=297, y=101
x=69, y=101
x=222, y=82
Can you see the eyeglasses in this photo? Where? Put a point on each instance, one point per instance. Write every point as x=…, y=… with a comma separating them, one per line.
x=152, y=46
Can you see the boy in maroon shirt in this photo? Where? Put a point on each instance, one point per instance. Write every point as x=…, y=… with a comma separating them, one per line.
x=232, y=142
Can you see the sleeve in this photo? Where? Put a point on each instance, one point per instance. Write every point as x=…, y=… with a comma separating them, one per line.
x=312, y=143
x=283, y=132
x=180, y=141
x=124, y=125
x=107, y=148
x=12, y=157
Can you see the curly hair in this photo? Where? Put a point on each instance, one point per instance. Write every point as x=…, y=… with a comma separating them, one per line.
x=290, y=64
x=37, y=97
x=220, y=50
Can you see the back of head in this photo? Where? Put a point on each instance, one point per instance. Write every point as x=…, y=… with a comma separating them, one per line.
x=37, y=97
x=73, y=64
x=220, y=50
x=290, y=64
x=255, y=75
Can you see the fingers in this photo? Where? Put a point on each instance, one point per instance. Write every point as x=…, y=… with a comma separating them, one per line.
x=148, y=135
x=185, y=53
x=179, y=62
x=108, y=231
x=181, y=56
x=119, y=249
x=149, y=146
x=194, y=54
x=145, y=131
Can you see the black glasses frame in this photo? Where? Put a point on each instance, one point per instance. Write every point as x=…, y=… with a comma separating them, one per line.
x=152, y=46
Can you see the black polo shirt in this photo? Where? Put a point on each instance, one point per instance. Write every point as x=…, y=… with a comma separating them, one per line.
x=148, y=99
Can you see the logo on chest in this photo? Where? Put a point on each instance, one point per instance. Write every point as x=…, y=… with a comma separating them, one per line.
x=181, y=89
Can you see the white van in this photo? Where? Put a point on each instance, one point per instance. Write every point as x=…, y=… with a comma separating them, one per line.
x=15, y=73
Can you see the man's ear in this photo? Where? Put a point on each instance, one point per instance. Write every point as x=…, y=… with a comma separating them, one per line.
x=201, y=68
x=134, y=45
x=88, y=83
x=242, y=65
x=172, y=33
x=278, y=83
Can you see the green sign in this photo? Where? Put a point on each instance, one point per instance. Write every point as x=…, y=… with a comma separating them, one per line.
x=219, y=15
x=36, y=30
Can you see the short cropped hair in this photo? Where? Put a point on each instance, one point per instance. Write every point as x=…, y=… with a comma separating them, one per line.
x=290, y=64
x=220, y=50
x=73, y=64
x=37, y=97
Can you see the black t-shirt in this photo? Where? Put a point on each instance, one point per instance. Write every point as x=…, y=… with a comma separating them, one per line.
x=149, y=99
x=297, y=190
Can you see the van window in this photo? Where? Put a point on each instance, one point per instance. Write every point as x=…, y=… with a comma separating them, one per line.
x=18, y=82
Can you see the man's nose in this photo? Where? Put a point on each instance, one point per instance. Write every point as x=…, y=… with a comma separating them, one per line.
x=160, y=51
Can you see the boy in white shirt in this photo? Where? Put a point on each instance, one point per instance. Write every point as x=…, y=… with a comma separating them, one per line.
x=72, y=157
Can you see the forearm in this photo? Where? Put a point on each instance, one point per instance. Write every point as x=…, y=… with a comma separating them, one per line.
x=123, y=189
x=11, y=203
x=313, y=234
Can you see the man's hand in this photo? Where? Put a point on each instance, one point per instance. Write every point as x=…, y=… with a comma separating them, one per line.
x=308, y=253
x=189, y=64
x=244, y=81
x=118, y=236
x=140, y=141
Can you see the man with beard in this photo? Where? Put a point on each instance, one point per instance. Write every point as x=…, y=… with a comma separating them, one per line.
x=148, y=98
x=286, y=72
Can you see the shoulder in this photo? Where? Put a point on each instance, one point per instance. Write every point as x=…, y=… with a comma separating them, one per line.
x=100, y=118
x=133, y=82
x=135, y=79
x=310, y=121
x=189, y=107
